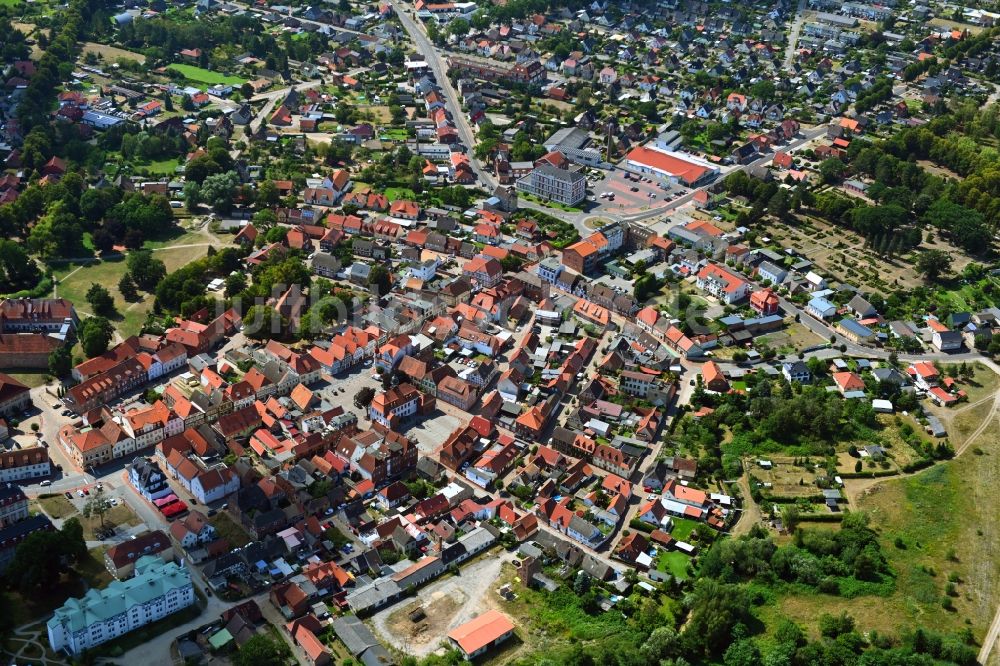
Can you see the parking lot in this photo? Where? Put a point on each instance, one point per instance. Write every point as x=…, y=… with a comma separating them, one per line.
x=341, y=389
x=646, y=195
x=431, y=431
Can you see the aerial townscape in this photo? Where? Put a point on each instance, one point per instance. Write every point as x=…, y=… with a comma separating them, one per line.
x=514, y=332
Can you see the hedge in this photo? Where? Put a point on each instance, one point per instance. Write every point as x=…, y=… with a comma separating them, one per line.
x=870, y=474
x=820, y=517
x=637, y=524
x=40, y=290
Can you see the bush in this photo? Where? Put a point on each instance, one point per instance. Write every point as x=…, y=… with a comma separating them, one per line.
x=640, y=526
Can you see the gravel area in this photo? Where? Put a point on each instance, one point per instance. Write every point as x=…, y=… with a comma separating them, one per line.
x=463, y=597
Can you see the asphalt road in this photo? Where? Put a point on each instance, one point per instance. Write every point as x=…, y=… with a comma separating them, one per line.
x=793, y=36
x=438, y=67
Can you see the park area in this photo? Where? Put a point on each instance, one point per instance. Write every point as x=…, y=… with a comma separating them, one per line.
x=202, y=75
x=74, y=279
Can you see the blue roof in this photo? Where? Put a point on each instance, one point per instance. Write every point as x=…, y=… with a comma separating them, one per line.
x=855, y=328
x=763, y=321
x=820, y=303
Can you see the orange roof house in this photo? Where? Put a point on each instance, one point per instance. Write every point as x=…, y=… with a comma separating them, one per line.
x=476, y=636
x=712, y=377
x=848, y=381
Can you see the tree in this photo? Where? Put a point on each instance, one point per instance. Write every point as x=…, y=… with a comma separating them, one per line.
x=17, y=270
x=192, y=196
x=364, y=397
x=61, y=361
x=262, y=650
x=235, y=283
x=742, y=653
x=219, y=189
x=145, y=270
x=831, y=170
x=128, y=288
x=458, y=27
x=832, y=626
x=102, y=239
x=716, y=608
x=379, y=280
x=101, y=301
x=932, y=263
x=42, y=557
x=262, y=322
x=97, y=505
x=95, y=335
x=268, y=194
x=661, y=644
x=763, y=89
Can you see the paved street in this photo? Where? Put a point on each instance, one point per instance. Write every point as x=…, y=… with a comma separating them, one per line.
x=437, y=65
x=793, y=36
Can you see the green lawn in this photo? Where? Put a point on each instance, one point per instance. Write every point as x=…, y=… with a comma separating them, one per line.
x=165, y=167
x=117, y=516
x=235, y=535
x=683, y=528
x=673, y=562
x=395, y=134
x=56, y=506
x=202, y=75
x=31, y=379
x=131, y=316
x=551, y=204
x=394, y=193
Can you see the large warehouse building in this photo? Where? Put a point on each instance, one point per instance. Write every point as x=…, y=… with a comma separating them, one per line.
x=676, y=167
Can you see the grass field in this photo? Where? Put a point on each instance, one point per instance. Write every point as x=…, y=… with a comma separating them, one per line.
x=936, y=526
x=74, y=280
x=163, y=167
x=395, y=193
x=673, y=562
x=30, y=379
x=57, y=506
x=683, y=528
x=118, y=516
x=111, y=53
x=202, y=75
x=230, y=531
